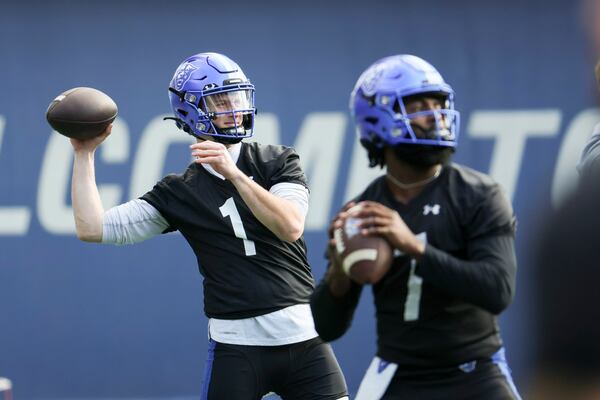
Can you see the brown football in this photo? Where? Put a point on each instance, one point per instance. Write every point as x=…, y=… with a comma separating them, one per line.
x=81, y=112
x=365, y=259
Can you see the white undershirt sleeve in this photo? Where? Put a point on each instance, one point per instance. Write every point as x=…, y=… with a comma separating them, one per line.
x=132, y=222
x=293, y=192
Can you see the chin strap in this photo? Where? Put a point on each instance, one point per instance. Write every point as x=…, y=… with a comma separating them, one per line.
x=186, y=128
x=226, y=140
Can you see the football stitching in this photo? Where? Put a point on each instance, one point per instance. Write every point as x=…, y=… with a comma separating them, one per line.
x=356, y=256
x=339, y=240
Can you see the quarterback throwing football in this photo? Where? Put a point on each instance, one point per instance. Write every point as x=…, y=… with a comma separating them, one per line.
x=241, y=207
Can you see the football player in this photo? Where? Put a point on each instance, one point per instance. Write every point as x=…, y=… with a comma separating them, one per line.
x=452, y=231
x=241, y=207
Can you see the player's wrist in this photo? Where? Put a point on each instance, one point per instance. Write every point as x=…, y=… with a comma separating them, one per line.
x=84, y=153
x=416, y=248
x=236, y=176
x=337, y=280
x=339, y=286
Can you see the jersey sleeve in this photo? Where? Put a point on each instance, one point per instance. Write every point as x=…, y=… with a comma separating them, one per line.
x=288, y=169
x=160, y=197
x=491, y=214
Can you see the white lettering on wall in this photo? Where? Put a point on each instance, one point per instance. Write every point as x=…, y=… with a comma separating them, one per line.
x=511, y=129
x=319, y=144
x=266, y=129
x=149, y=162
x=54, y=212
x=14, y=221
x=360, y=174
x=565, y=172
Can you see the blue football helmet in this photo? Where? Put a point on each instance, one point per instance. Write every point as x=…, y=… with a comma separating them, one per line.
x=378, y=105
x=211, y=96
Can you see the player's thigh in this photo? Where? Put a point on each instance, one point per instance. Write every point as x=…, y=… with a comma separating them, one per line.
x=229, y=374
x=314, y=374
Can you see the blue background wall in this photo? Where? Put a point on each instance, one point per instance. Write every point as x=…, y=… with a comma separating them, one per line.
x=90, y=321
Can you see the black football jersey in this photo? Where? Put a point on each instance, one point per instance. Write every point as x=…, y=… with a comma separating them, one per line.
x=440, y=311
x=247, y=270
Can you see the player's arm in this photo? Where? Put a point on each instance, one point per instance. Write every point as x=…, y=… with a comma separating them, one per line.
x=281, y=216
x=335, y=298
x=486, y=279
x=87, y=206
x=128, y=223
x=332, y=308
x=485, y=276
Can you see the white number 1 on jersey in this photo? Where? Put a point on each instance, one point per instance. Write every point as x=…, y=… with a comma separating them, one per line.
x=228, y=209
x=412, y=305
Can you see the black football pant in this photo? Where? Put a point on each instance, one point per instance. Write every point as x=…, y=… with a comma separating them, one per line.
x=487, y=380
x=300, y=371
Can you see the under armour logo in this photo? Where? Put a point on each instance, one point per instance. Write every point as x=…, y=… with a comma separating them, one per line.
x=434, y=209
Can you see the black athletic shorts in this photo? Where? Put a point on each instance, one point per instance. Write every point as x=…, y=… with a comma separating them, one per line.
x=300, y=371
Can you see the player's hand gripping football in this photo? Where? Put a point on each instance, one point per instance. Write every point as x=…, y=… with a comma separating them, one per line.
x=378, y=219
x=90, y=145
x=216, y=155
x=337, y=279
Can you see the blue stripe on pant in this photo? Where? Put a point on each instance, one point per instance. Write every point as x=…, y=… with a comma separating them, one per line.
x=499, y=358
x=208, y=368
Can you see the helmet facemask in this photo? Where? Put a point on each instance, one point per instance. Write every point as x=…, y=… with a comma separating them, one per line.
x=380, y=106
x=435, y=127
x=225, y=115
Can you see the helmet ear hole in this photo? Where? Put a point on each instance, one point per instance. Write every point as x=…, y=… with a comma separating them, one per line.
x=186, y=128
x=182, y=112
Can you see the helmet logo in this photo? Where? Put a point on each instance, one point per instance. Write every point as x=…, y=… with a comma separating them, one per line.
x=183, y=74
x=371, y=79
